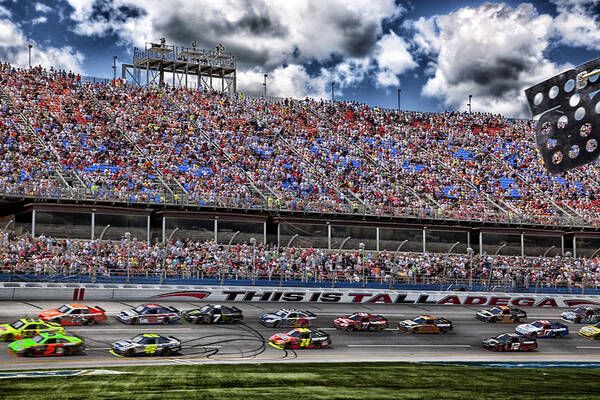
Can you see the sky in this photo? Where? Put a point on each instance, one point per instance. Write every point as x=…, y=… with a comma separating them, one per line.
x=437, y=52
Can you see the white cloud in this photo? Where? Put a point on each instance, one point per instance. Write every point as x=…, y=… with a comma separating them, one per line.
x=40, y=7
x=39, y=20
x=4, y=12
x=493, y=52
x=393, y=59
x=13, y=48
x=267, y=36
x=576, y=24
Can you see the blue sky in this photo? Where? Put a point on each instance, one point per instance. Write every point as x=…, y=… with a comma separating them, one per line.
x=438, y=52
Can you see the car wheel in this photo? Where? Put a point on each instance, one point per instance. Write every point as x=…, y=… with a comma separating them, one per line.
x=287, y=346
x=317, y=345
x=28, y=353
x=304, y=324
x=492, y=320
x=135, y=321
x=533, y=335
x=166, y=351
x=577, y=320
x=8, y=337
x=517, y=320
x=130, y=353
x=276, y=324
x=91, y=321
x=411, y=331
x=350, y=328
x=165, y=321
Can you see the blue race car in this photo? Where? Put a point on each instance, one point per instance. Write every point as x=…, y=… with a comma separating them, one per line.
x=288, y=317
x=543, y=329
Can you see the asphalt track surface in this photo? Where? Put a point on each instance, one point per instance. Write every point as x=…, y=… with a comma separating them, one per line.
x=239, y=343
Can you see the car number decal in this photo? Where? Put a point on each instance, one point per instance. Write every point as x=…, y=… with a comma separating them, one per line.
x=151, y=349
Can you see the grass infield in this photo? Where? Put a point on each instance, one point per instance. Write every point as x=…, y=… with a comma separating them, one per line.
x=314, y=381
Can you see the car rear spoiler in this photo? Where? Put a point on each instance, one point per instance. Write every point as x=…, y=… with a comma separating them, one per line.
x=100, y=308
x=173, y=309
x=235, y=308
x=310, y=314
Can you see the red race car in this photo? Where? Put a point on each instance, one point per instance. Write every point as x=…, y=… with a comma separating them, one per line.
x=509, y=342
x=361, y=322
x=74, y=314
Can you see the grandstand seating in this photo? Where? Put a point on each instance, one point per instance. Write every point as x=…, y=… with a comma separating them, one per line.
x=112, y=141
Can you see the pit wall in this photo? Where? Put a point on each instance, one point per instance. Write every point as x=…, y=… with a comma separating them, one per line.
x=71, y=292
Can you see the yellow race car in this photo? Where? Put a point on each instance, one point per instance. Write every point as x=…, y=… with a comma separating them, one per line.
x=590, y=332
x=26, y=328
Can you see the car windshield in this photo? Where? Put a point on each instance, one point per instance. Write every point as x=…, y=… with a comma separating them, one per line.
x=538, y=324
x=579, y=311
x=138, y=339
x=206, y=309
x=293, y=333
x=281, y=313
x=38, y=339
x=139, y=309
x=419, y=320
x=597, y=325
x=495, y=310
x=18, y=324
x=355, y=317
x=64, y=309
x=503, y=337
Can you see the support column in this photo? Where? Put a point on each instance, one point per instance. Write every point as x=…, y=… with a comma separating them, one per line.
x=164, y=229
x=377, y=238
x=148, y=228
x=264, y=233
x=424, y=239
x=562, y=245
x=522, y=245
x=216, y=229
x=480, y=243
x=278, y=234
x=574, y=246
x=33, y=223
x=93, y=225
x=328, y=235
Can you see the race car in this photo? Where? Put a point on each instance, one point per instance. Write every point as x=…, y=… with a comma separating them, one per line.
x=590, y=332
x=27, y=327
x=300, y=338
x=213, y=314
x=581, y=315
x=47, y=344
x=149, y=314
x=288, y=317
x=509, y=342
x=147, y=344
x=425, y=324
x=502, y=314
x=361, y=322
x=543, y=329
x=74, y=314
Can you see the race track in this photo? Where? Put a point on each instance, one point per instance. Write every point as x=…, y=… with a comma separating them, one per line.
x=247, y=342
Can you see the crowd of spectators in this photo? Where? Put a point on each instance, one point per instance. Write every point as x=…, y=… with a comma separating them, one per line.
x=206, y=259
x=209, y=147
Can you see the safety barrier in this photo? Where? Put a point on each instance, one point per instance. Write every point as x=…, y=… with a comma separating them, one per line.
x=90, y=292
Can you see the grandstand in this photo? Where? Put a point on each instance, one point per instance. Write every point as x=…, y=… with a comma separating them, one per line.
x=210, y=171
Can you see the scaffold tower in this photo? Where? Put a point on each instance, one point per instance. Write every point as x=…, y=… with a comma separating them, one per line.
x=162, y=64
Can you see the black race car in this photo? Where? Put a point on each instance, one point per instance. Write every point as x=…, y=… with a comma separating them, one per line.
x=213, y=314
x=509, y=342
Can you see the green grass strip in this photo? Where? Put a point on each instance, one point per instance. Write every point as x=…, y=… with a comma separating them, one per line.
x=314, y=381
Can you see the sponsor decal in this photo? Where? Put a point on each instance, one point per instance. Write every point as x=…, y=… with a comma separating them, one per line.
x=196, y=294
